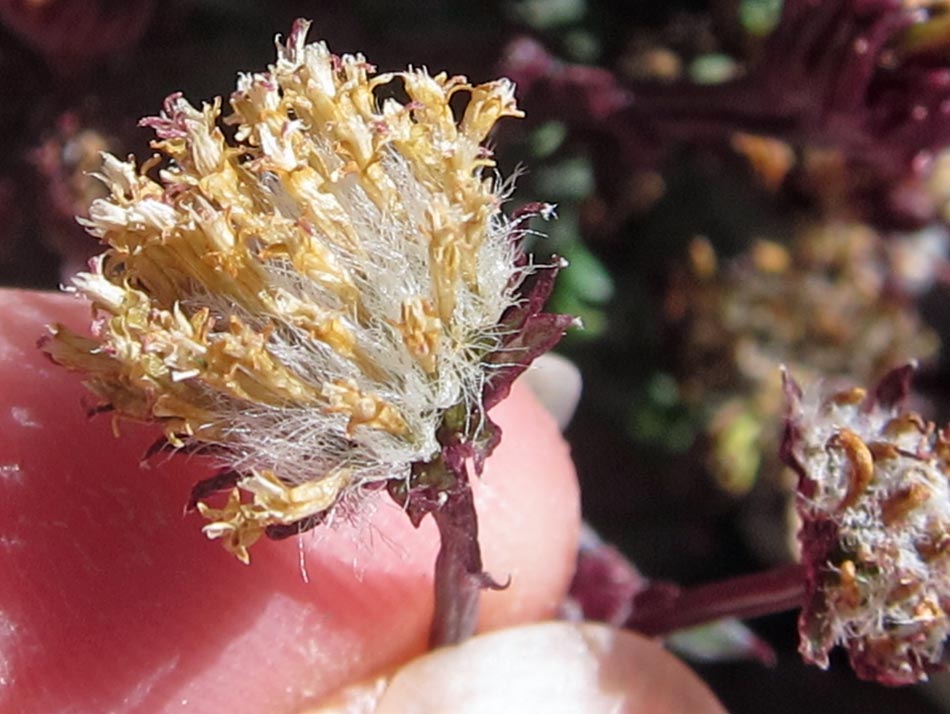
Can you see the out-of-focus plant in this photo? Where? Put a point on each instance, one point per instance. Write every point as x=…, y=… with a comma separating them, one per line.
x=836, y=305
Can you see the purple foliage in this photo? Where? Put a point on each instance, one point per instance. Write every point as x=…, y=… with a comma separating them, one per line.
x=832, y=74
x=530, y=333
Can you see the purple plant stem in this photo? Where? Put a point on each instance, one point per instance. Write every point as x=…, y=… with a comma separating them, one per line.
x=662, y=609
x=458, y=569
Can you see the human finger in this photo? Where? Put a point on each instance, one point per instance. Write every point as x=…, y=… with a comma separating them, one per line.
x=113, y=600
x=553, y=667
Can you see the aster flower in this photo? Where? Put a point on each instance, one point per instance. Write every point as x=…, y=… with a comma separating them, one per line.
x=873, y=499
x=327, y=304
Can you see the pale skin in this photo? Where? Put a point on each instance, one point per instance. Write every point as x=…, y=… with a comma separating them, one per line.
x=113, y=600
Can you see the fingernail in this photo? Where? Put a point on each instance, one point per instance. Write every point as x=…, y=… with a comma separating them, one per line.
x=557, y=383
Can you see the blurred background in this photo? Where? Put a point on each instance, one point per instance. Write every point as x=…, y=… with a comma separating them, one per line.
x=740, y=184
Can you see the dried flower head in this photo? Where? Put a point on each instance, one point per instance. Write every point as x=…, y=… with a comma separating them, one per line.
x=838, y=302
x=308, y=301
x=875, y=507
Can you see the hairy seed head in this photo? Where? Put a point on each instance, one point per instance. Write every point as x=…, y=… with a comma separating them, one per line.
x=306, y=299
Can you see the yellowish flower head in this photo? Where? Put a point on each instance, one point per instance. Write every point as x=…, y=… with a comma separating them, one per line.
x=306, y=299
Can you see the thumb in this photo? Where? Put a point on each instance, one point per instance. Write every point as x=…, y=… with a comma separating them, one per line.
x=550, y=667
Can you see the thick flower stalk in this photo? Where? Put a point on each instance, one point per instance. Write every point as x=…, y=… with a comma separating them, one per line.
x=326, y=304
x=875, y=508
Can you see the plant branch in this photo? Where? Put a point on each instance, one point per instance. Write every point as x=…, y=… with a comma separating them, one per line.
x=663, y=608
x=458, y=569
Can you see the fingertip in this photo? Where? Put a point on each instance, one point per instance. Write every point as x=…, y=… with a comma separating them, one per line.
x=529, y=504
x=557, y=384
